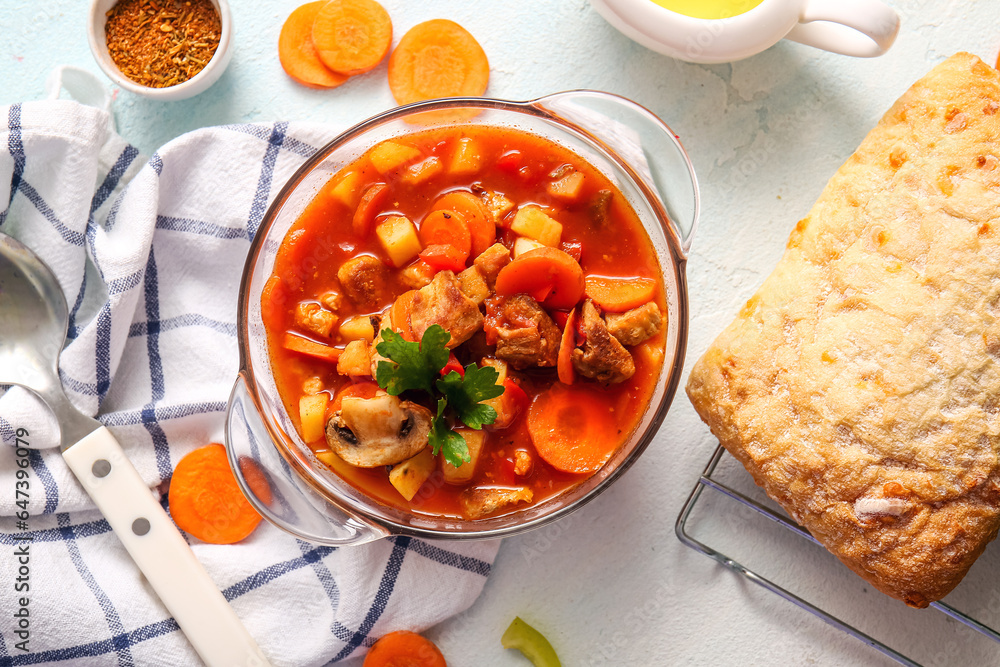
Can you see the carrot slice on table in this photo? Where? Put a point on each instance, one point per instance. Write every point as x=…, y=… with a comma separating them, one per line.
x=404, y=649
x=573, y=428
x=437, y=58
x=549, y=275
x=617, y=295
x=476, y=216
x=297, y=53
x=444, y=257
x=446, y=228
x=205, y=499
x=352, y=36
x=564, y=363
x=311, y=348
x=369, y=206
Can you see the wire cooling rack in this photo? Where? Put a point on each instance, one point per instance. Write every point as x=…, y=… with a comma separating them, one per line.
x=708, y=482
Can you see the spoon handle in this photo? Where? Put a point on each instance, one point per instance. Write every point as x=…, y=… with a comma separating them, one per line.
x=156, y=546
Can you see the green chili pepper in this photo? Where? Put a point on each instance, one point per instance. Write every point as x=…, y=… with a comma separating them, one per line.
x=531, y=643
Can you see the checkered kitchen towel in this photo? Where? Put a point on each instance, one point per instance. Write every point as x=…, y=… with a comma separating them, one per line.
x=149, y=253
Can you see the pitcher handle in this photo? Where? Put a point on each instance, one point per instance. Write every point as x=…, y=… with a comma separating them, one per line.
x=859, y=28
x=275, y=490
x=643, y=142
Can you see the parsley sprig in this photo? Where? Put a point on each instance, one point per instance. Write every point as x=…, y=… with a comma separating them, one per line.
x=417, y=367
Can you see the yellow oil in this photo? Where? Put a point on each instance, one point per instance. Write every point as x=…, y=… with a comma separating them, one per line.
x=709, y=9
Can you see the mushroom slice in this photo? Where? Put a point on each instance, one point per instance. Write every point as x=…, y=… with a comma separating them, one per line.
x=372, y=432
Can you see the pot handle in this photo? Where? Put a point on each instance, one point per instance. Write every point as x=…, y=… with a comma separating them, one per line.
x=642, y=141
x=859, y=28
x=275, y=490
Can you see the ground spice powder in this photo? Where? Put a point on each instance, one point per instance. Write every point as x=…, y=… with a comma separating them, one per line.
x=161, y=43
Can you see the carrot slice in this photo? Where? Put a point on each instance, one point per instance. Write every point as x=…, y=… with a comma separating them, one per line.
x=617, y=295
x=205, y=500
x=297, y=53
x=400, y=314
x=369, y=206
x=363, y=389
x=444, y=257
x=564, y=363
x=446, y=228
x=437, y=58
x=352, y=36
x=476, y=215
x=548, y=273
x=404, y=649
x=273, y=299
x=311, y=348
x=573, y=428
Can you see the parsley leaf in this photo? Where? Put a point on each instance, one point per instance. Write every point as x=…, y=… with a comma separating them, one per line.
x=417, y=367
x=465, y=393
x=442, y=438
x=411, y=365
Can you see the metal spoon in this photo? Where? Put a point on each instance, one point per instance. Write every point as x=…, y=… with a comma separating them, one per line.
x=33, y=320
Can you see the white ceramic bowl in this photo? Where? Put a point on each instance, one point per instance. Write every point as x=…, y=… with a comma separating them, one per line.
x=196, y=84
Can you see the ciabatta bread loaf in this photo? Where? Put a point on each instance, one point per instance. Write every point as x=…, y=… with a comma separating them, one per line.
x=860, y=385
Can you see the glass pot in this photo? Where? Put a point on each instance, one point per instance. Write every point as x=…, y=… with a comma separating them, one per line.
x=279, y=473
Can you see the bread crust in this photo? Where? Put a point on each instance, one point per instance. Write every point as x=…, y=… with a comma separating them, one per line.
x=860, y=385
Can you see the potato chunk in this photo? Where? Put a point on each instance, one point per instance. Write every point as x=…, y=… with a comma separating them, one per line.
x=411, y=474
x=399, y=239
x=463, y=473
x=523, y=244
x=358, y=327
x=389, y=156
x=467, y=159
x=347, y=190
x=311, y=412
x=533, y=222
x=568, y=187
x=423, y=171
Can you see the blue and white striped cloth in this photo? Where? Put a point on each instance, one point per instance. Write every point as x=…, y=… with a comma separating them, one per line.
x=149, y=253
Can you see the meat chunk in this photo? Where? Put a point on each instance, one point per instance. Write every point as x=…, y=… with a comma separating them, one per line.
x=417, y=275
x=602, y=358
x=497, y=204
x=523, y=332
x=473, y=285
x=636, y=325
x=443, y=303
x=355, y=360
x=310, y=316
x=490, y=261
x=478, y=502
x=523, y=463
x=365, y=280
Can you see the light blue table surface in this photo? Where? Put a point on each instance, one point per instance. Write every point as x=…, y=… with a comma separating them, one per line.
x=611, y=585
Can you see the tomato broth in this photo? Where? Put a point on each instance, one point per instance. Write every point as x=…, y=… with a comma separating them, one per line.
x=508, y=170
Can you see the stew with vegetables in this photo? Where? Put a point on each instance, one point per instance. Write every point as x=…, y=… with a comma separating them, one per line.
x=466, y=321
